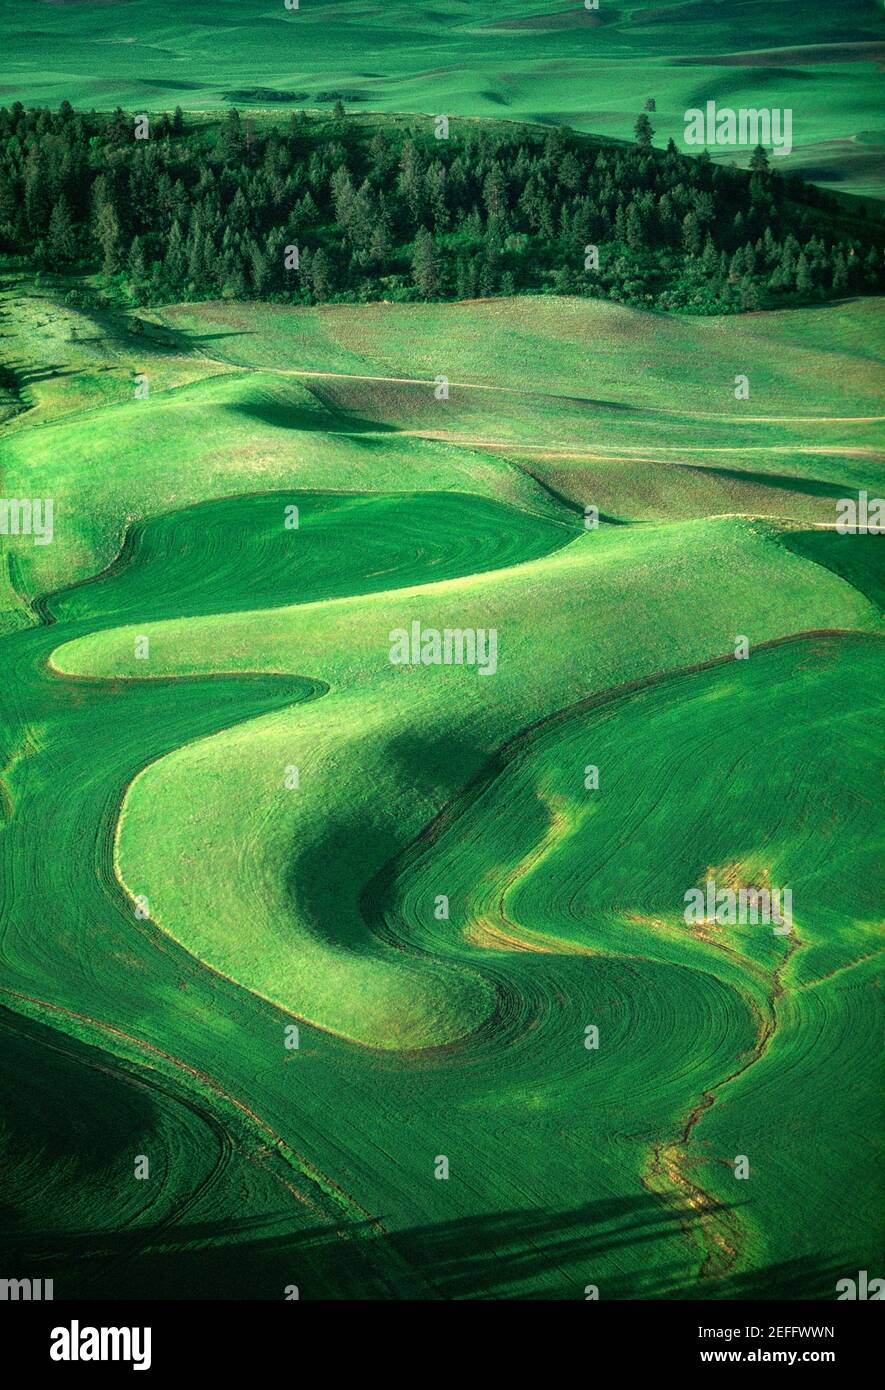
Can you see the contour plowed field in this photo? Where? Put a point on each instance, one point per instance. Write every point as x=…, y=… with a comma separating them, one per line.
x=175, y=896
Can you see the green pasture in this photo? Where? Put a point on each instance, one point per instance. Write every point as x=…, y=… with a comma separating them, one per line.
x=549, y=400
x=548, y=61
x=173, y=900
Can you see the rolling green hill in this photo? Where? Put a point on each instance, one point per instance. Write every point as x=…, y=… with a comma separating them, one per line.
x=225, y=812
x=547, y=61
x=438, y=587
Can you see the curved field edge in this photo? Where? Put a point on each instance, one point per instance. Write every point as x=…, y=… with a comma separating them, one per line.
x=255, y=550
x=201, y=1148
x=219, y=430
x=555, y=888
x=535, y=1236
x=360, y=725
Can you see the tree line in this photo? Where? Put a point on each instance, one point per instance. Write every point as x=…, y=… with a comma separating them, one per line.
x=313, y=208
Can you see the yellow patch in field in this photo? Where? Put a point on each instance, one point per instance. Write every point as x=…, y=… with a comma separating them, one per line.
x=496, y=936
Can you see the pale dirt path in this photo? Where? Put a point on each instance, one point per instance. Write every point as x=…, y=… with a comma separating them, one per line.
x=314, y=374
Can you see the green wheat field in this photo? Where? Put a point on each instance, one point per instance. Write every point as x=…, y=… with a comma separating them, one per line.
x=372, y=978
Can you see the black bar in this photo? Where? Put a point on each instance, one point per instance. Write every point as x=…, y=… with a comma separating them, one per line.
x=254, y=1338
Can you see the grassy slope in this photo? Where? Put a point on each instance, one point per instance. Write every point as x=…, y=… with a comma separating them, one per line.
x=530, y=1080
x=150, y=1001
x=533, y=860
x=672, y=614
x=577, y=347
x=213, y=1219
x=358, y=1129
x=632, y=412
x=518, y=59
x=617, y=399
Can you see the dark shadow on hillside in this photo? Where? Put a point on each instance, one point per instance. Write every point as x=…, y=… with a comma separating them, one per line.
x=497, y=1255
x=281, y=415
x=512, y=1254
x=810, y=487
x=169, y=84
x=587, y=401
x=506, y=1255
x=66, y=1109
x=351, y=851
x=164, y=337
x=577, y=508
x=18, y=374
x=212, y=337
x=856, y=559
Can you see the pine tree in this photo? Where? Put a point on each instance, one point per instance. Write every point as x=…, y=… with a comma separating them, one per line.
x=382, y=155
x=759, y=160
x=871, y=267
x=107, y=234
x=691, y=234
x=231, y=144
x=379, y=246
x=175, y=262
x=425, y=267
x=342, y=197
x=411, y=179
x=748, y=294
x=197, y=265
x=804, y=278
x=136, y=265
x=259, y=268
x=840, y=274
x=710, y=258
x=633, y=230
x=787, y=266
x=436, y=181
x=61, y=246
x=569, y=171
x=644, y=132
x=319, y=271
x=494, y=192
x=36, y=194
x=489, y=276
